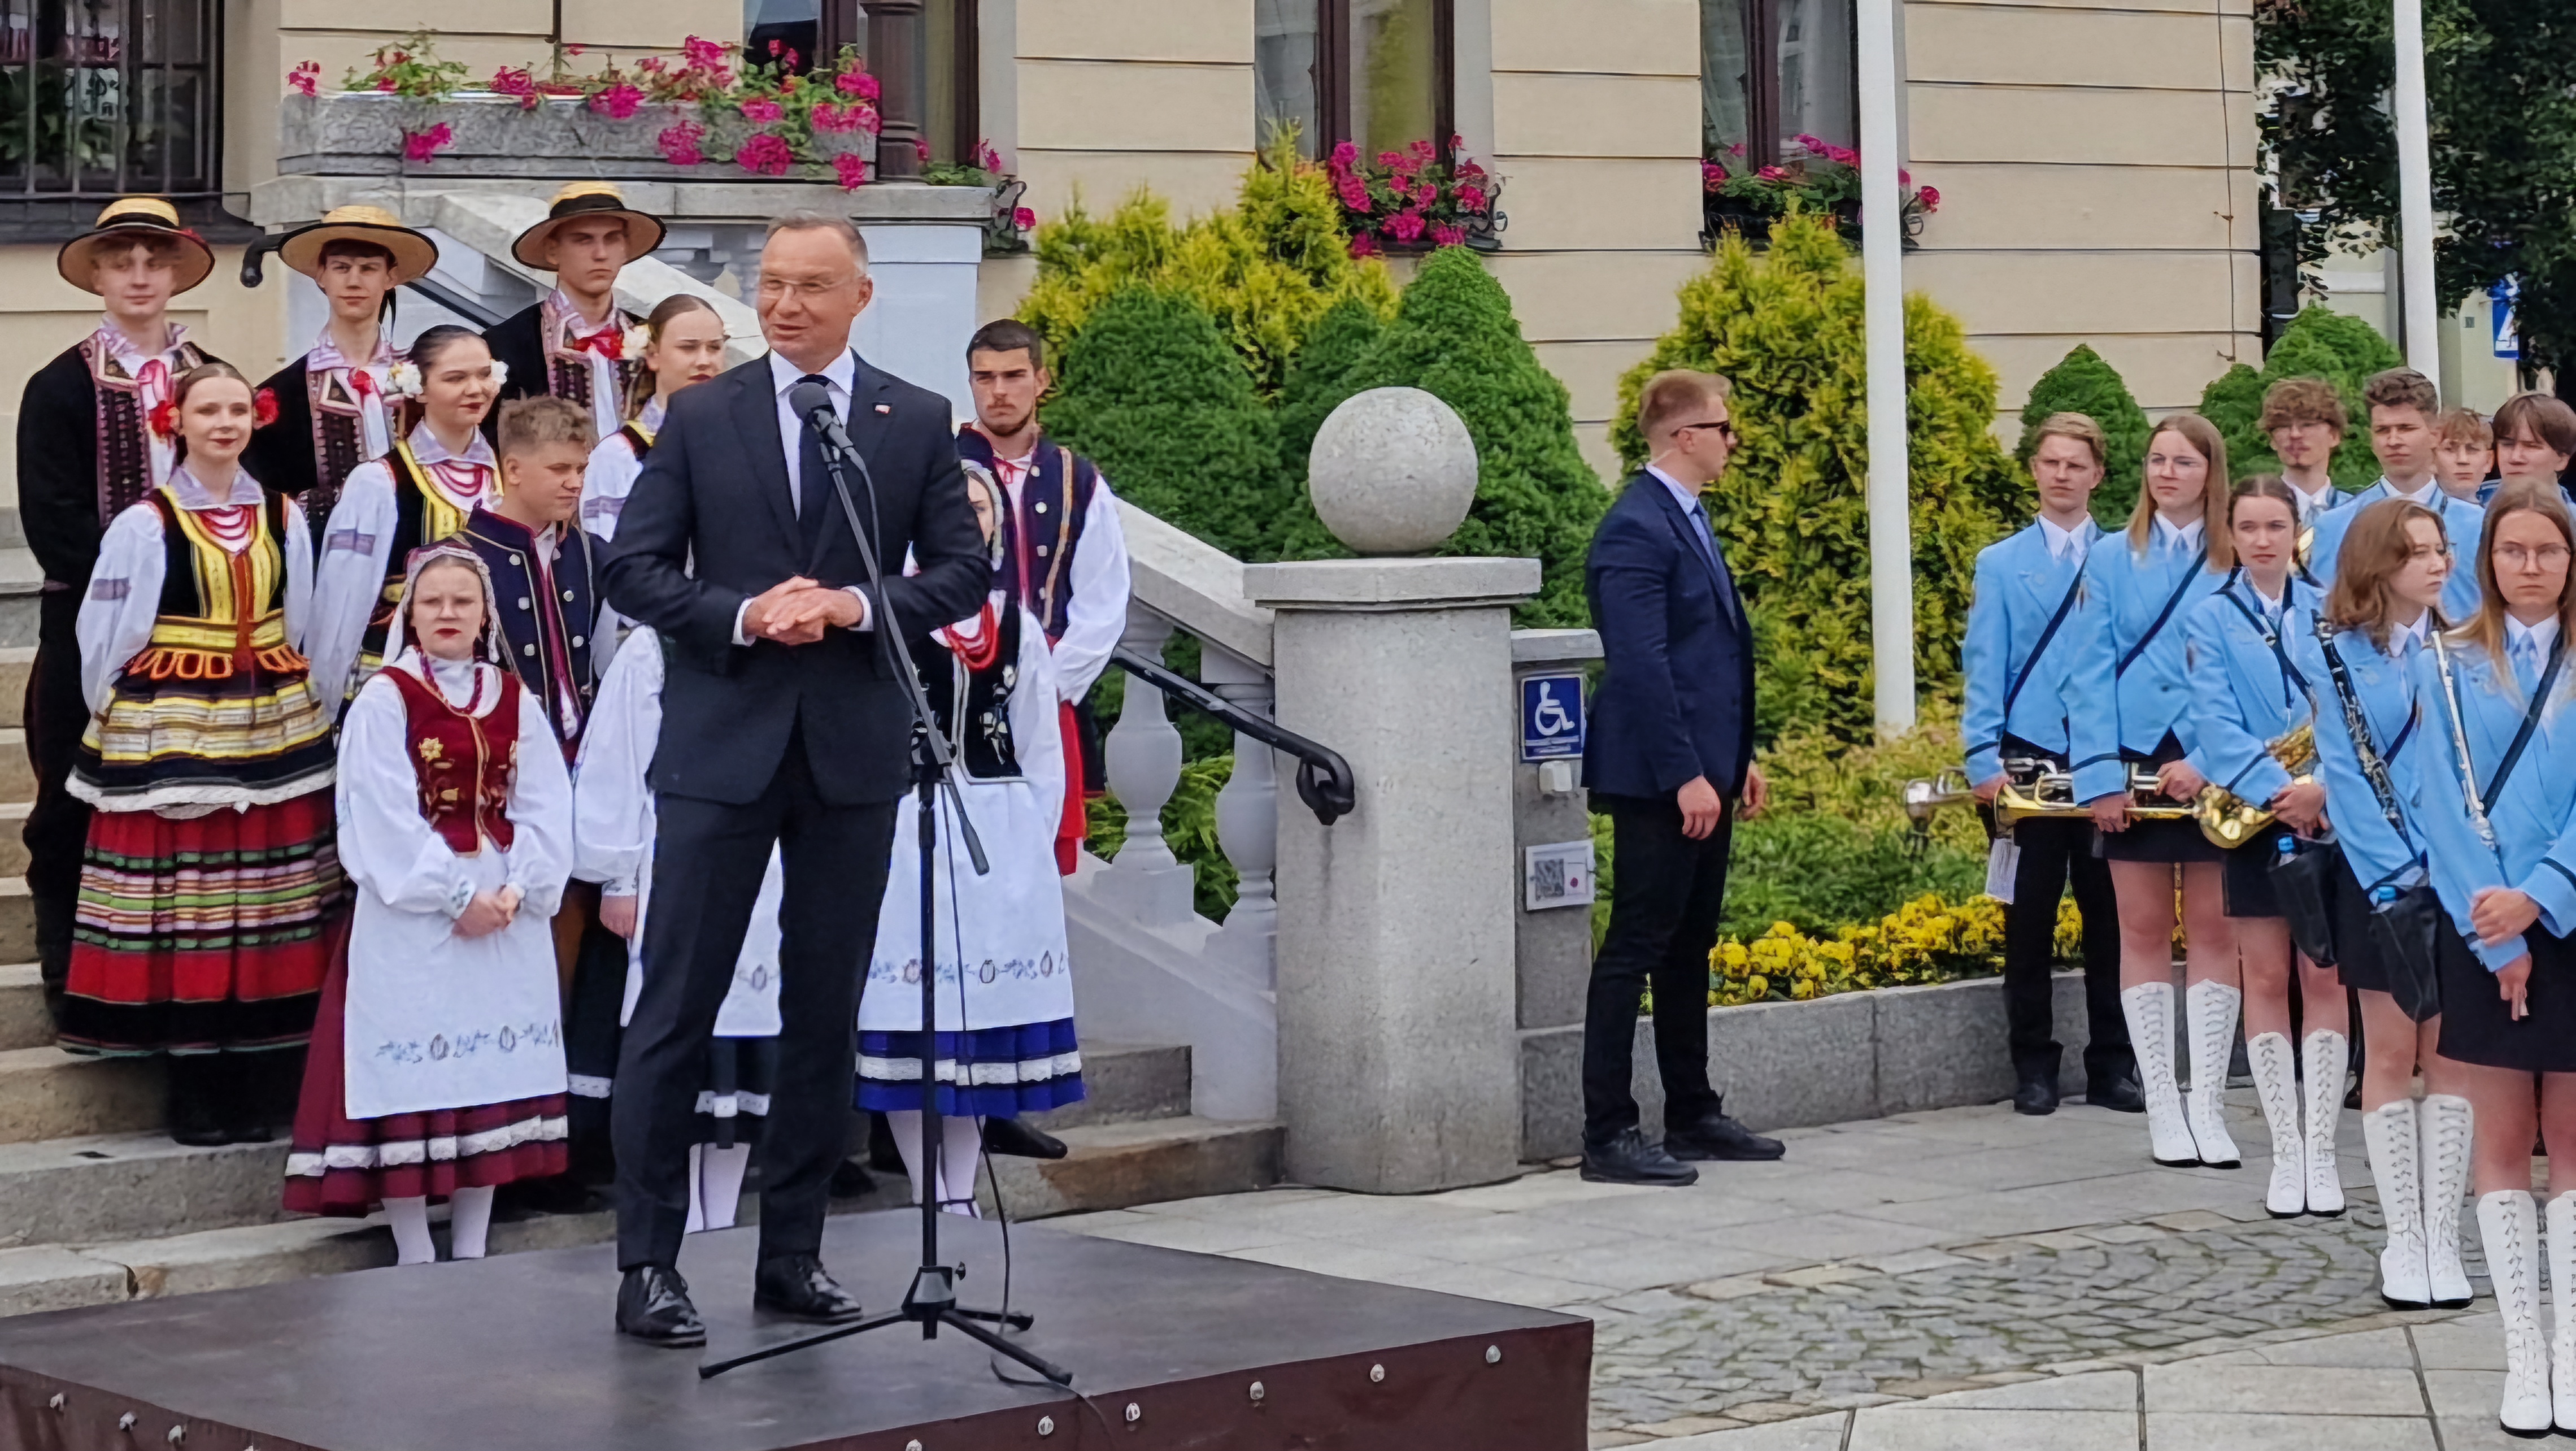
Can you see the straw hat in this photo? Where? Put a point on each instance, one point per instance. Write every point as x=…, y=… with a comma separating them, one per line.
x=583, y=199
x=414, y=253
x=127, y=220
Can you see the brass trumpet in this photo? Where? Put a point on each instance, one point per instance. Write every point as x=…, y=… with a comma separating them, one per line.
x=2032, y=791
x=2230, y=821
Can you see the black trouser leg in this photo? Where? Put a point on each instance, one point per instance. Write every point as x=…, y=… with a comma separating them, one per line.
x=58, y=822
x=2107, y=1055
x=2030, y=946
x=1666, y=896
x=590, y=1049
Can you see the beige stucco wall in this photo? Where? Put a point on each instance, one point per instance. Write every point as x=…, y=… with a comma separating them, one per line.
x=2096, y=175
x=1108, y=95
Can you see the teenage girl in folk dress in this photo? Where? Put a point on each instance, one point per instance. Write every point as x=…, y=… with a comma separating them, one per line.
x=438, y=1064
x=208, y=883
x=2503, y=859
x=2393, y=566
x=2248, y=693
x=686, y=347
x=2131, y=660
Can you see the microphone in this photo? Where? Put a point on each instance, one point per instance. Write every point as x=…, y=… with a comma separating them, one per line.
x=813, y=403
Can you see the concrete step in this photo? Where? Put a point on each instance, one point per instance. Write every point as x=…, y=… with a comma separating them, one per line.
x=1125, y=1084
x=21, y=582
x=46, y=1093
x=13, y=845
x=17, y=773
x=17, y=662
x=17, y=921
x=24, y=1022
x=1115, y=1166
x=133, y=1186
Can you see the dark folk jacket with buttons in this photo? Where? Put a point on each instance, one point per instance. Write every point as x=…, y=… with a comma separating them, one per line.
x=552, y=614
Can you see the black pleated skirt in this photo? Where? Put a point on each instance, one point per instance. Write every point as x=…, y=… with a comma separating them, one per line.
x=2249, y=873
x=2160, y=841
x=2478, y=1025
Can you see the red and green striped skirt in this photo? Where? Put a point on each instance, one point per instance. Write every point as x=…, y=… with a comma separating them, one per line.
x=205, y=934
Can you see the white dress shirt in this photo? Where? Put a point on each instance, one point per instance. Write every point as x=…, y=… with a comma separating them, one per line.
x=2402, y=638
x=837, y=376
x=2428, y=494
x=2178, y=538
x=2541, y=636
x=2077, y=541
x=2311, y=505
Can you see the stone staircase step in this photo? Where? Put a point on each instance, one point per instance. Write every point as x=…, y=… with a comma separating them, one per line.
x=21, y=582
x=17, y=921
x=13, y=846
x=17, y=773
x=46, y=1093
x=24, y=1022
x=133, y=1186
x=1125, y=1084
x=17, y=662
x=1116, y=1166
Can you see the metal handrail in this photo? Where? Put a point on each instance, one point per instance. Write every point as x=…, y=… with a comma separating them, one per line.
x=254, y=270
x=1324, y=780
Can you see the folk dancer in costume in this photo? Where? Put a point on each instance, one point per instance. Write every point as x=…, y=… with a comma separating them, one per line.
x=2246, y=694
x=1067, y=561
x=413, y=497
x=2130, y=666
x=613, y=828
x=209, y=885
x=336, y=406
x=86, y=453
x=2305, y=420
x=1004, y=1044
x=2016, y=661
x=2496, y=832
x=2403, y=403
x=2535, y=437
x=686, y=342
x=438, y=1069
x=2464, y=453
x=575, y=342
x=2386, y=599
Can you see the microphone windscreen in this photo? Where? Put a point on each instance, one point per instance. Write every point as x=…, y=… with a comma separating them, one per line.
x=808, y=399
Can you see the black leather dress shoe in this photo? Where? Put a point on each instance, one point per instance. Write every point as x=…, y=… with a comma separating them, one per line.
x=1629, y=1159
x=2120, y=1095
x=653, y=1306
x=797, y=1286
x=1716, y=1136
x=2036, y=1097
x=1015, y=1140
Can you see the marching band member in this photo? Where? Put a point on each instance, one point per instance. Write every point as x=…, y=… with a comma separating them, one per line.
x=2370, y=741
x=438, y=1063
x=411, y=498
x=2493, y=795
x=2464, y=454
x=2304, y=419
x=209, y=881
x=2015, y=661
x=2130, y=668
x=2535, y=436
x=687, y=342
x=2246, y=694
x=2402, y=405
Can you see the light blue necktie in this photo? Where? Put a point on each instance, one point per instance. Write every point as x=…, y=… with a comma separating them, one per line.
x=2524, y=652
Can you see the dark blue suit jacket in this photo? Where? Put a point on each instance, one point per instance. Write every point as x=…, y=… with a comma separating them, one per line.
x=1676, y=700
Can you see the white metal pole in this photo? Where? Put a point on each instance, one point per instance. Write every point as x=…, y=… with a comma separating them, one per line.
x=1891, y=549
x=2415, y=195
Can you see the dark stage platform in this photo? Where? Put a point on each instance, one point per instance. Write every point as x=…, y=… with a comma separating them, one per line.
x=516, y=1354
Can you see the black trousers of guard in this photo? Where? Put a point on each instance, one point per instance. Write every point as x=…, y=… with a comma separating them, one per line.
x=58, y=823
x=1666, y=892
x=708, y=862
x=2055, y=854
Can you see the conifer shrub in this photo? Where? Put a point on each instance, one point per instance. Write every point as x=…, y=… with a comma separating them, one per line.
x=1786, y=329
x=2084, y=383
x=2318, y=343
x=1314, y=388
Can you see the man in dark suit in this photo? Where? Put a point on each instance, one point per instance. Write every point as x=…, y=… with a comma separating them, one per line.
x=781, y=723
x=1670, y=759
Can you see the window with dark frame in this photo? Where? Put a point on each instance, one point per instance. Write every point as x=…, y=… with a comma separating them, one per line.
x=1804, y=84
x=1379, y=73
x=106, y=98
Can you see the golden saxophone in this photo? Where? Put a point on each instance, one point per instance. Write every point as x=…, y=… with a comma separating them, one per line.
x=2229, y=821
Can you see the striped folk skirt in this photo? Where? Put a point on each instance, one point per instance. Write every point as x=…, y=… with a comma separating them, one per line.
x=203, y=934
x=342, y=1166
x=985, y=1073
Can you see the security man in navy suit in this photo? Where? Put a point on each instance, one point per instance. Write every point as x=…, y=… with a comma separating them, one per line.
x=1670, y=759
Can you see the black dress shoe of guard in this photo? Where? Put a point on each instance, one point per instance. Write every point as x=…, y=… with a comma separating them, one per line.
x=2120, y=1095
x=1629, y=1159
x=1013, y=1139
x=1716, y=1136
x=2037, y=1096
x=653, y=1306
x=797, y=1286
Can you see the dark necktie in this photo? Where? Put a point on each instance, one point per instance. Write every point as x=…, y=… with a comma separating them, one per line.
x=814, y=483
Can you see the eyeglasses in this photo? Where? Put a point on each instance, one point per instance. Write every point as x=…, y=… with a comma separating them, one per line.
x=773, y=288
x=2517, y=557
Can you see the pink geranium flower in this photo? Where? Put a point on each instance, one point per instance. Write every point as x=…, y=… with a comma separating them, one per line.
x=1346, y=154
x=850, y=168
x=516, y=81
x=859, y=84
x=833, y=119
x=1391, y=160
x=1354, y=192
x=760, y=110
x=1364, y=245
x=1445, y=235
x=1773, y=173
x=1405, y=226
x=419, y=146
x=1024, y=219
x=680, y=143
x=1425, y=193
x=1711, y=176
x=305, y=79
x=618, y=102
x=1473, y=198
x=1931, y=199
x=766, y=154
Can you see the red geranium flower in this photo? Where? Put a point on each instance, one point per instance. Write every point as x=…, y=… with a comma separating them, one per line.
x=760, y=110
x=679, y=143
x=850, y=167
x=618, y=102
x=767, y=154
x=1024, y=219
x=263, y=407
x=420, y=146
x=305, y=79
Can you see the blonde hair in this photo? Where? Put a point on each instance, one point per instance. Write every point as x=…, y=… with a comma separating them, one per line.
x=2463, y=425
x=529, y=424
x=2077, y=426
x=2378, y=545
x=2203, y=437
x=2485, y=629
x=1676, y=391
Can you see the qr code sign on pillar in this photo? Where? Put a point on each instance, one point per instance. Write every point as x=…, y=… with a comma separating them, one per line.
x=1558, y=874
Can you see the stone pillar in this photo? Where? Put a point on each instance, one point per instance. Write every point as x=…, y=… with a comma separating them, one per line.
x=1553, y=946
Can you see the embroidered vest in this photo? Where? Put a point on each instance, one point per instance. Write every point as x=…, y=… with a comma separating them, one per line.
x=568, y=372
x=1045, y=529
x=222, y=614
x=548, y=610
x=124, y=448
x=464, y=763
x=339, y=439
x=980, y=734
x=422, y=515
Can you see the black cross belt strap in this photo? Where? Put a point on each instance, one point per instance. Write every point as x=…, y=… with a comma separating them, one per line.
x=2289, y=673
x=2530, y=721
x=2030, y=666
x=2172, y=602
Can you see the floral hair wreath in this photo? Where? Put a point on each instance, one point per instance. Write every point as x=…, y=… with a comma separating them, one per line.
x=164, y=419
x=407, y=381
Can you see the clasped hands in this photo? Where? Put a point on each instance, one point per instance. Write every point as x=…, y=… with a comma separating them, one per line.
x=489, y=912
x=797, y=611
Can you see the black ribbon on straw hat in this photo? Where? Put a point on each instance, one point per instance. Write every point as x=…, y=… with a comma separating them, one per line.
x=584, y=199
x=124, y=222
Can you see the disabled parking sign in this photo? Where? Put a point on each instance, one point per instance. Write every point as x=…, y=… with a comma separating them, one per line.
x=1551, y=717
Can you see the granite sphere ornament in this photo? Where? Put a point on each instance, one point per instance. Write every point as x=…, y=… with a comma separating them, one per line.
x=1393, y=472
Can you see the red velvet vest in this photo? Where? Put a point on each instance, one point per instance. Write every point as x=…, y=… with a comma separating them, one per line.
x=465, y=763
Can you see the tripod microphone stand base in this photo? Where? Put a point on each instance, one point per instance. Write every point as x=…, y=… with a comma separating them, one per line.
x=931, y=1303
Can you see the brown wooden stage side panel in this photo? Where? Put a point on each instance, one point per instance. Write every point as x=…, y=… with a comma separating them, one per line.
x=517, y=1354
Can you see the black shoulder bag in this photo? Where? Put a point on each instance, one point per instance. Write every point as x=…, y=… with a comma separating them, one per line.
x=2403, y=923
x=2303, y=872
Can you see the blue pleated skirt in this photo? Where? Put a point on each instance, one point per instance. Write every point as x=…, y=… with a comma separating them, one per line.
x=985, y=1073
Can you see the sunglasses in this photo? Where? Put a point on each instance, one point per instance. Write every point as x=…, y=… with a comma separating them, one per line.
x=1725, y=430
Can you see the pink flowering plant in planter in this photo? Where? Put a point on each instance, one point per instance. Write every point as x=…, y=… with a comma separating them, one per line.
x=1413, y=200
x=1748, y=198
x=1007, y=234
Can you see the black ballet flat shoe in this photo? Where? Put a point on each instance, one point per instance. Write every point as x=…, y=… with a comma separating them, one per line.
x=2037, y=1096
x=1015, y=1140
x=653, y=1306
x=797, y=1286
x=2120, y=1095
x=1718, y=1136
x=1629, y=1159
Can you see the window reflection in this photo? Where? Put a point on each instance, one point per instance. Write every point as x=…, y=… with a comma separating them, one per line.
x=1286, y=84
x=1394, y=74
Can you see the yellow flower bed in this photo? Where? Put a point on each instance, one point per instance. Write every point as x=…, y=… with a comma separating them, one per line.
x=1924, y=941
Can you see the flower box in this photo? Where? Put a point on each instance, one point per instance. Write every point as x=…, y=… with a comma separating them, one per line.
x=346, y=133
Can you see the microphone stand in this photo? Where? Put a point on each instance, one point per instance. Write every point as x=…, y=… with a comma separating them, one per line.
x=932, y=1300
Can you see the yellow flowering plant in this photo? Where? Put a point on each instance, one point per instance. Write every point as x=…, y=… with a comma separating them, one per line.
x=1926, y=940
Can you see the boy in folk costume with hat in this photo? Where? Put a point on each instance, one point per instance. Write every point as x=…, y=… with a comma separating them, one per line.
x=576, y=342
x=86, y=452
x=336, y=406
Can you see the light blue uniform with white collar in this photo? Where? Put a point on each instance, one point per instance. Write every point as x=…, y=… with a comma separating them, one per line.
x=2020, y=588
x=2379, y=853
x=2126, y=592
x=2462, y=523
x=2245, y=689
x=2535, y=850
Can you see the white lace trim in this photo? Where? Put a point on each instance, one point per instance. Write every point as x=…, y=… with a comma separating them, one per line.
x=447, y=1148
x=1031, y=1070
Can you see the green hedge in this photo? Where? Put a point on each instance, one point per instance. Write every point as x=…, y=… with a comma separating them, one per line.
x=2318, y=343
x=2083, y=383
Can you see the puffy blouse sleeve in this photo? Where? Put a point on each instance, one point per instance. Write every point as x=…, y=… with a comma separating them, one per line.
x=124, y=599
x=612, y=804
x=541, y=846
x=386, y=845
x=348, y=579
x=1037, y=732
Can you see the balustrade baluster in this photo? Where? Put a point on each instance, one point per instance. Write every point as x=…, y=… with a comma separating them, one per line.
x=1247, y=819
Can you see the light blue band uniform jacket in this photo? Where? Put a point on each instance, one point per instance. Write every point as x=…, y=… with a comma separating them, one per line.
x=2246, y=690
x=2380, y=854
x=2124, y=591
x=2019, y=589
x=2535, y=853
x=2462, y=523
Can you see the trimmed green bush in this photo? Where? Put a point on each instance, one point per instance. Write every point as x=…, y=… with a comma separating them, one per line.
x=1314, y=386
x=1150, y=393
x=1786, y=328
x=2084, y=383
x=2318, y=343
